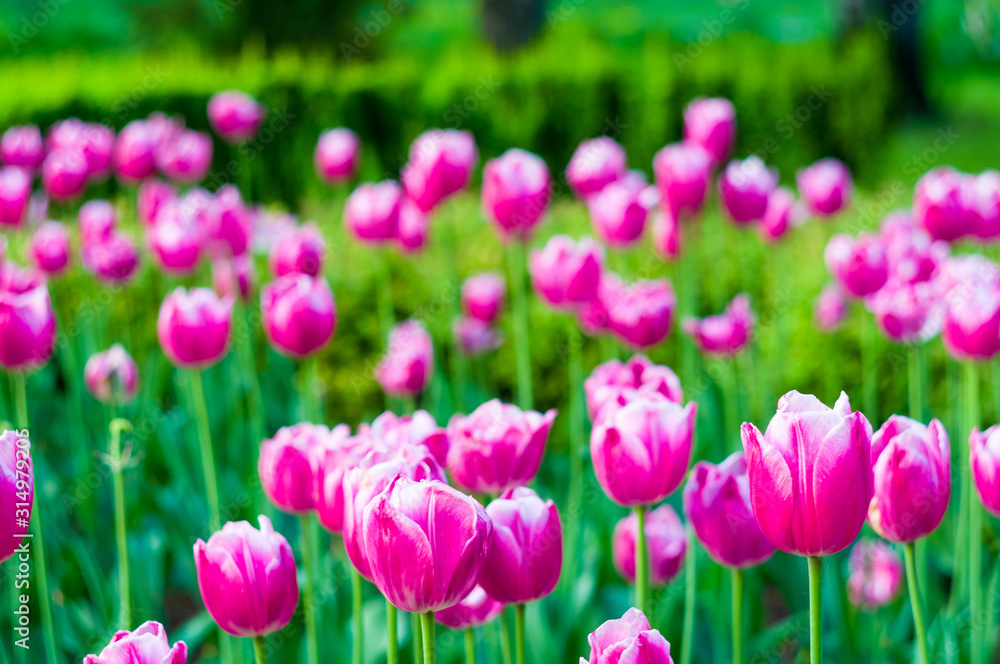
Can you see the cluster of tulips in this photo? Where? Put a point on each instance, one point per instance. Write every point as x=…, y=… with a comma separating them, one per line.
x=442, y=519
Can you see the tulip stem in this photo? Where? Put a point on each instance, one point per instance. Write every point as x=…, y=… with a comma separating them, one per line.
x=470, y=646
x=918, y=612
x=312, y=410
x=504, y=638
x=641, y=561
x=577, y=426
x=392, y=647
x=427, y=624
x=815, y=609
x=258, y=650
x=515, y=258
x=386, y=315
x=690, y=590
x=418, y=639
x=737, y=579
x=519, y=633
x=207, y=455
x=459, y=368
x=308, y=605
x=975, y=514
x=869, y=367
x=116, y=461
x=357, y=607
x=918, y=381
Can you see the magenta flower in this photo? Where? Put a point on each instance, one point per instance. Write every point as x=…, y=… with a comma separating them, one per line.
x=596, y=163
x=440, y=164
x=475, y=337
x=710, y=123
x=938, y=205
x=299, y=312
x=745, y=187
x=64, y=174
x=186, y=157
x=418, y=430
x=94, y=142
x=984, y=459
x=229, y=222
x=405, y=370
x=981, y=199
x=372, y=210
x=566, y=273
x=876, y=575
x=825, y=186
x=302, y=250
x=628, y=640
x=50, y=248
x=666, y=234
x=233, y=276
x=516, y=192
x=193, y=327
x=112, y=376
x=666, y=544
x=153, y=194
x=595, y=316
x=27, y=324
x=147, y=644
x=483, y=296
x=618, y=212
x=175, y=239
x=97, y=220
x=476, y=609
x=287, y=463
x=972, y=322
x=17, y=490
x=618, y=383
x=112, y=260
x=22, y=146
x=830, y=309
x=683, y=172
x=414, y=225
x=859, y=265
x=727, y=333
x=15, y=192
x=782, y=214
x=908, y=313
x=134, y=154
x=642, y=313
x=337, y=154
x=913, y=256
x=235, y=115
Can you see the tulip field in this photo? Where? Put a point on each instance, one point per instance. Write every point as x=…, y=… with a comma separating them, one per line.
x=492, y=409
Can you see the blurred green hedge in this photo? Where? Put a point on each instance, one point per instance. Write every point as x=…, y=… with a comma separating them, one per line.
x=795, y=103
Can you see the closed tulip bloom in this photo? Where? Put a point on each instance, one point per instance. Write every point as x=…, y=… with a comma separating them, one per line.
x=618, y=212
x=876, y=575
x=112, y=260
x=683, y=172
x=745, y=187
x=148, y=644
x=17, y=485
x=186, y=157
x=859, y=265
x=641, y=450
x=615, y=382
x=483, y=296
x=371, y=213
x=516, y=192
x=810, y=474
x=908, y=313
x=939, y=206
x=440, y=164
x=230, y=223
x=134, y=154
x=475, y=337
x=525, y=559
x=50, y=248
x=960, y=276
x=497, y=447
x=112, y=376
x=666, y=543
x=981, y=199
x=825, y=186
x=15, y=192
x=628, y=640
x=233, y=277
x=427, y=544
x=337, y=154
x=418, y=430
x=595, y=164
x=984, y=458
x=595, y=316
x=566, y=273
x=830, y=309
x=912, y=466
x=972, y=323
x=27, y=325
x=22, y=146
x=476, y=609
x=414, y=225
x=153, y=194
x=299, y=312
x=643, y=312
x=666, y=234
x=405, y=370
x=235, y=115
x=94, y=142
x=783, y=212
x=97, y=221
x=727, y=333
x=64, y=174
x=287, y=462
x=193, y=327
x=717, y=505
x=912, y=254
x=332, y=459
x=247, y=578
x=711, y=124
x=175, y=239
x=302, y=250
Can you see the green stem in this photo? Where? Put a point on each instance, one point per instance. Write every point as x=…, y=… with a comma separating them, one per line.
x=690, y=596
x=20, y=400
x=815, y=610
x=308, y=605
x=731, y=407
x=357, y=607
x=519, y=633
x=392, y=647
x=258, y=650
x=459, y=369
x=975, y=514
x=383, y=276
x=869, y=367
x=470, y=646
x=312, y=410
x=515, y=257
x=917, y=381
x=418, y=639
x=918, y=612
x=641, y=561
x=116, y=461
x=255, y=401
x=577, y=435
x=504, y=638
x=427, y=625
x=205, y=443
x=737, y=582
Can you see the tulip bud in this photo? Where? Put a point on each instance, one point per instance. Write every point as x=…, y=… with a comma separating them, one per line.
x=972, y=323
x=483, y=295
x=147, y=644
x=984, y=459
x=745, y=187
x=618, y=212
x=859, y=265
x=618, y=383
x=981, y=199
x=908, y=313
x=596, y=163
x=475, y=337
x=476, y=609
x=233, y=277
x=50, y=248
x=642, y=313
x=235, y=115
x=683, y=172
x=64, y=174
x=414, y=224
x=229, y=222
x=97, y=220
x=567, y=273
x=134, y=154
x=711, y=124
x=938, y=205
x=193, y=327
x=830, y=309
x=516, y=192
x=175, y=239
x=666, y=234
x=876, y=575
x=825, y=186
x=727, y=333
x=15, y=192
x=371, y=212
x=337, y=154
x=406, y=368
x=247, y=578
x=112, y=376
x=783, y=212
x=299, y=312
x=22, y=146
x=17, y=490
x=153, y=194
x=287, y=463
x=912, y=255
x=628, y=639
x=392, y=432
x=186, y=157
x=112, y=260
x=92, y=142
x=595, y=316
x=666, y=543
x=440, y=164
x=302, y=250
x=27, y=326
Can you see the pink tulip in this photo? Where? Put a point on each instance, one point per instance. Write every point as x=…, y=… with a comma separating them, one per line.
x=628, y=640
x=97, y=221
x=960, y=276
x=745, y=188
x=442, y=535
x=233, y=277
x=858, y=264
x=475, y=337
x=15, y=192
x=618, y=383
x=134, y=155
x=302, y=250
x=525, y=559
x=235, y=115
x=112, y=376
x=717, y=505
x=194, y=326
x=984, y=459
x=27, y=324
x=876, y=575
x=147, y=644
x=516, y=192
x=938, y=205
x=783, y=213
x=476, y=609
x=162, y=127
x=913, y=256
x=595, y=316
x=112, y=260
x=64, y=175
x=981, y=199
x=830, y=309
x=247, y=578
x=414, y=225
x=287, y=463
x=371, y=213
x=825, y=186
x=641, y=451
x=405, y=370
x=618, y=212
x=683, y=172
x=440, y=164
x=394, y=433
x=483, y=295
x=666, y=234
x=596, y=163
x=93, y=142
x=299, y=312
x=810, y=474
x=337, y=154
x=727, y=333
x=497, y=447
x=567, y=273
x=50, y=248
x=972, y=323
x=153, y=194
x=17, y=490
x=711, y=124
x=186, y=157
x=331, y=461
x=643, y=312
x=908, y=313
x=22, y=146
x=666, y=544
x=230, y=224
x=175, y=239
